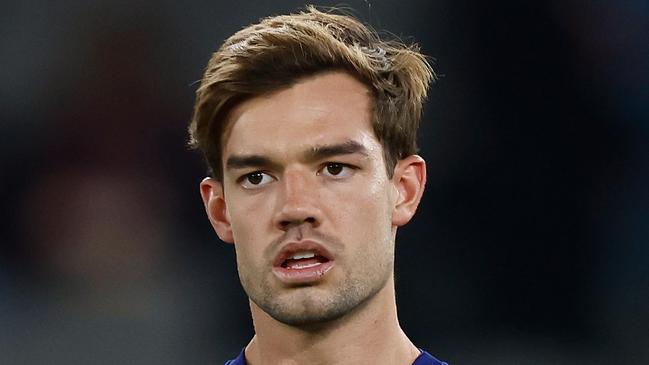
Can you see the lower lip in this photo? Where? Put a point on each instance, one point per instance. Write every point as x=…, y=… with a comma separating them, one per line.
x=302, y=276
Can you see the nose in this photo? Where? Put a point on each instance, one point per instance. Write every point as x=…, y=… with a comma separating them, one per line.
x=298, y=201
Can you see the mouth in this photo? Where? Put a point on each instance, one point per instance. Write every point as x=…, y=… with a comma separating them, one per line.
x=302, y=262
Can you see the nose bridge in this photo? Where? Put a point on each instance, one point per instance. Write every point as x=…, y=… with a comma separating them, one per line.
x=295, y=184
x=297, y=201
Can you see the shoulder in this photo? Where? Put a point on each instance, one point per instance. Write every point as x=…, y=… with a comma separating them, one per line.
x=427, y=359
x=239, y=360
x=424, y=359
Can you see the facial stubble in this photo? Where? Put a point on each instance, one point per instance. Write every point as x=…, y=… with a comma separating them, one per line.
x=317, y=304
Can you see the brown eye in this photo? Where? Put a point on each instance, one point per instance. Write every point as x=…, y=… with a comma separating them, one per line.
x=334, y=168
x=255, y=178
x=337, y=170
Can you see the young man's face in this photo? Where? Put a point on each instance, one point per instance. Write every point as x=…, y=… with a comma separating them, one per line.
x=306, y=200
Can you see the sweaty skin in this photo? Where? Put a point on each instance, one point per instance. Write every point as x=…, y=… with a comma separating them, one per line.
x=303, y=168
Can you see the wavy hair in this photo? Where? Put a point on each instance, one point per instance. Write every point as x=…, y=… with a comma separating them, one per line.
x=281, y=50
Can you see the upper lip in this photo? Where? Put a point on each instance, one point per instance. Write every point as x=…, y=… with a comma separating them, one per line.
x=291, y=248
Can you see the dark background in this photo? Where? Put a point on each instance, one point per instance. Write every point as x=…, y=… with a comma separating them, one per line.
x=531, y=245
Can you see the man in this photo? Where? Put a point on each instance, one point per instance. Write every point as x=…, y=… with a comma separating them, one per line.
x=308, y=125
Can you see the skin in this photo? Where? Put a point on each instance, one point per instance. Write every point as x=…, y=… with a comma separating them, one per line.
x=300, y=164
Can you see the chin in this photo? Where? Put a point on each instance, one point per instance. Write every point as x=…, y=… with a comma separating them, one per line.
x=314, y=309
x=307, y=318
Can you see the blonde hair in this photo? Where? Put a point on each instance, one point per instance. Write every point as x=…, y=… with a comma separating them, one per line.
x=279, y=51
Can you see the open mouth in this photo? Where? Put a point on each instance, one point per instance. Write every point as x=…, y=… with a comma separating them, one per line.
x=302, y=263
x=303, y=260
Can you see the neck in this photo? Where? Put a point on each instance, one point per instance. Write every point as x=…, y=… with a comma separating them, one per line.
x=370, y=334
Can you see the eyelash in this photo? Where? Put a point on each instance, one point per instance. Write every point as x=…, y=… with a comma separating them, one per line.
x=244, y=178
x=341, y=164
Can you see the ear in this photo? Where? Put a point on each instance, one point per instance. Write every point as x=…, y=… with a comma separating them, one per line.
x=217, y=212
x=409, y=179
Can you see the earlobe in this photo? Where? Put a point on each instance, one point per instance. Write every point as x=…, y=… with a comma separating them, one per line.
x=409, y=179
x=216, y=208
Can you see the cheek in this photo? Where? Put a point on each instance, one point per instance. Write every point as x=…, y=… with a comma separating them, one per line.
x=365, y=209
x=366, y=230
x=248, y=222
x=248, y=216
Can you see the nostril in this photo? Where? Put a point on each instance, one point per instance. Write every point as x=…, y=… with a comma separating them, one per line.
x=286, y=224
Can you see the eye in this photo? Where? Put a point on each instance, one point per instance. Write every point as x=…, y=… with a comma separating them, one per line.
x=336, y=170
x=255, y=180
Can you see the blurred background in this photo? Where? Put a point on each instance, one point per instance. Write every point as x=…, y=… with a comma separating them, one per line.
x=531, y=245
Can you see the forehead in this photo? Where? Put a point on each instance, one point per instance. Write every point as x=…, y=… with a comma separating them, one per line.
x=319, y=110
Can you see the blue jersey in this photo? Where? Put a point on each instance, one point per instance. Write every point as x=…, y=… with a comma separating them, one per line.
x=423, y=359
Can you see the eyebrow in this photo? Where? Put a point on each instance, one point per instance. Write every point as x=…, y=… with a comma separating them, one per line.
x=247, y=161
x=345, y=148
x=313, y=154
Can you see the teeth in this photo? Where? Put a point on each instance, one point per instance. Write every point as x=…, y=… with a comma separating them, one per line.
x=298, y=266
x=303, y=255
